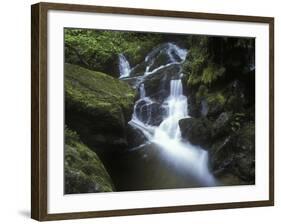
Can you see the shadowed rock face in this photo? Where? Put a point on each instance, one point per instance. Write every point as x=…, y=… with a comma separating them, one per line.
x=232, y=153
x=226, y=119
x=226, y=129
x=235, y=154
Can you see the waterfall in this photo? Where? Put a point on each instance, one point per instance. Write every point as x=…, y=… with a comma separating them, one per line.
x=124, y=66
x=177, y=109
x=168, y=136
x=189, y=158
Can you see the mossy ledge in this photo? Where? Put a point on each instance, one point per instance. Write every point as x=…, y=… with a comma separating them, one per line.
x=84, y=171
x=97, y=107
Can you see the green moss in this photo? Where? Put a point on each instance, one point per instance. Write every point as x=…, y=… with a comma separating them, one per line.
x=84, y=171
x=97, y=92
x=194, y=66
x=97, y=49
x=216, y=98
x=97, y=105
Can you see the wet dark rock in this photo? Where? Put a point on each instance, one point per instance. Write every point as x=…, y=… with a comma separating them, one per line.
x=138, y=70
x=204, y=108
x=160, y=96
x=231, y=151
x=159, y=80
x=133, y=82
x=150, y=113
x=221, y=124
x=236, y=100
x=194, y=108
x=135, y=137
x=161, y=59
x=197, y=131
x=162, y=55
x=214, y=108
x=235, y=154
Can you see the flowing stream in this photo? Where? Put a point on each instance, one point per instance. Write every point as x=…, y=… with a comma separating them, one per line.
x=164, y=160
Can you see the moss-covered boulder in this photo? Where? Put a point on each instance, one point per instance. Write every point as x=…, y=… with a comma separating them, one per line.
x=84, y=171
x=98, y=107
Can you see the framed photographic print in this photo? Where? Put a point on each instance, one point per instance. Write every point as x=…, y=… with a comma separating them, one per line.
x=138, y=111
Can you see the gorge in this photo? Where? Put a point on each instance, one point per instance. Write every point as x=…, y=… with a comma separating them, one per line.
x=151, y=111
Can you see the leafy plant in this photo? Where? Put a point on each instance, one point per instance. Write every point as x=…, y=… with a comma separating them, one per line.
x=212, y=73
x=98, y=49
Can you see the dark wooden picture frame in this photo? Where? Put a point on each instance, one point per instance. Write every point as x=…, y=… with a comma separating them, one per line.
x=39, y=148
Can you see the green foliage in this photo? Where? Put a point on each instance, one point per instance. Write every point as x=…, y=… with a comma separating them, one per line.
x=200, y=70
x=84, y=172
x=212, y=98
x=211, y=73
x=70, y=136
x=194, y=66
x=195, y=40
x=197, y=58
x=216, y=98
x=97, y=49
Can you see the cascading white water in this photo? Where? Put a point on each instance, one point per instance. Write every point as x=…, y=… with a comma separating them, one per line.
x=124, y=66
x=136, y=122
x=177, y=109
x=142, y=91
x=167, y=135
